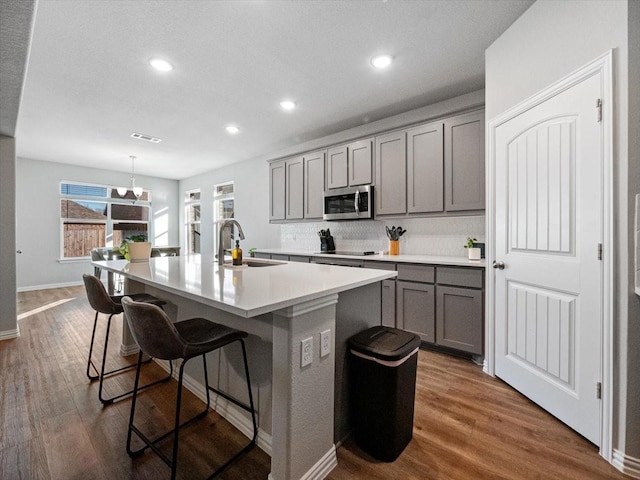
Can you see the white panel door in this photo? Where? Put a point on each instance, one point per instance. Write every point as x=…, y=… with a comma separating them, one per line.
x=548, y=231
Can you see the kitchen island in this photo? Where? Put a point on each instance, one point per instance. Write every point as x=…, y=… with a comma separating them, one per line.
x=279, y=304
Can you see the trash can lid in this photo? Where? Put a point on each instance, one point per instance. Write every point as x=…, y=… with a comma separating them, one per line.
x=385, y=343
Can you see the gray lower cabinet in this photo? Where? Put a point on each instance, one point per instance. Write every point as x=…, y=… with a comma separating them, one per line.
x=277, y=190
x=459, y=318
x=389, y=303
x=415, y=308
x=265, y=256
x=464, y=162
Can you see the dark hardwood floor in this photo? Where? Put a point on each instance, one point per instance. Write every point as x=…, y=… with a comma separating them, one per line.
x=467, y=424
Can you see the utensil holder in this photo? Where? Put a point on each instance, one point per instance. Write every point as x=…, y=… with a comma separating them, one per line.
x=394, y=247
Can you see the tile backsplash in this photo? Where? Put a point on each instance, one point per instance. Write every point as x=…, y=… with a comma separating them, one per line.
x=425, y=236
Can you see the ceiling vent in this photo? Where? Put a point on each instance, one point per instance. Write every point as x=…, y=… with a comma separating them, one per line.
x=148, y=138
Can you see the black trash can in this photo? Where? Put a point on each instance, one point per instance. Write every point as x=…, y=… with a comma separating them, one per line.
x=383, y=385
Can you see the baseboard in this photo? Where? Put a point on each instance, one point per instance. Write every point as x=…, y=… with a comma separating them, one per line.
x=322, y=468
x=626, y=463
x=48, y=286
x=126, y=350
x=9, y=334
x=232, y=413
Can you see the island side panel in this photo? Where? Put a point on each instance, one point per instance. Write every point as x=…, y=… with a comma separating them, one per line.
x=357, y=310
x=303, y=407
x=226, y=368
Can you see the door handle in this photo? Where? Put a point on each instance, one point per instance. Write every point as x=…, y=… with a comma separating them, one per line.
x=498, y=265
x=18, y=251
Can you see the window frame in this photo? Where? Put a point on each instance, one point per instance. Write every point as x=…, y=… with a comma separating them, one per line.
x=188, y=223
x=221, y=198
x=108, y=221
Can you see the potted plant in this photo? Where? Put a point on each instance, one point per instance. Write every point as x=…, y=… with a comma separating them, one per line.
x=473, y=251
x=136, y=248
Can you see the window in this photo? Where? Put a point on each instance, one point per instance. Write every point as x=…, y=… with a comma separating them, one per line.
x=93, y=216
x=192, y=220
x=222, y=209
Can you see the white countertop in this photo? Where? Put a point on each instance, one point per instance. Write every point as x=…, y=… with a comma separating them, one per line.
x=244, y=291
x=426, y=259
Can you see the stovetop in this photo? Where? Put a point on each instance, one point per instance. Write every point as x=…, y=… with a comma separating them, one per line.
x=359, y=253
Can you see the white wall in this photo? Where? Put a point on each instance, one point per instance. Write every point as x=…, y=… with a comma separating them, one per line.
x=251, y=206
x=550, y=40
x=38, y=218
x=8, y=323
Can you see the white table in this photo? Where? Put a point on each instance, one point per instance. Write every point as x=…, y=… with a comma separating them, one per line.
x=279, y=305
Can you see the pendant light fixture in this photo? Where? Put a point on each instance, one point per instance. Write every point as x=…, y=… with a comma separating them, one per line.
x=137, y=191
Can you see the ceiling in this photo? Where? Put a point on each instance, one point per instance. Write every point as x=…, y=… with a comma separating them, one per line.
x=89, y=85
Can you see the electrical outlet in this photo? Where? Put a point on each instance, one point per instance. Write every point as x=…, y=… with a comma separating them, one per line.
x=325, y=343
x=306, y=352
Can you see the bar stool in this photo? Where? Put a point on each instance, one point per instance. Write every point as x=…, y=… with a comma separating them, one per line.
x=158, y=337
x=102, y=302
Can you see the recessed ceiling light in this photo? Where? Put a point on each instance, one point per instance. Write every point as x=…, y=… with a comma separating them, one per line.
x=381, y=61
x=232, y=129
x=288, y=104
x=161, y=65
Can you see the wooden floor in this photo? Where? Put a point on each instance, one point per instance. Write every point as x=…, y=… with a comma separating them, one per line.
x=467, y=424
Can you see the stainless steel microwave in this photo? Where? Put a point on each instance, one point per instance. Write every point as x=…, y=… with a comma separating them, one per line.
x=352, y=203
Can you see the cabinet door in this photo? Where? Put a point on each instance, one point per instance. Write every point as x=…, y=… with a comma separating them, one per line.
x=464, y=162
x=416, y=309
x=277, y=190
x=459, y=319
x=313, y=184
x=294, y=191
x=425, y=169
x=389, y=303
x=391, y=174
x=337, y=167
x=360, y=163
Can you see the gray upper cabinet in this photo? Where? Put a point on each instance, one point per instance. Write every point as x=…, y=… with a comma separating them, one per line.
x=464, y=162
x=360, y=163
x=350, y=165
x=425, y=169
x=391, y=174
x=337, y=176
x=277, y=190
x=313, y=184
x=294, y=195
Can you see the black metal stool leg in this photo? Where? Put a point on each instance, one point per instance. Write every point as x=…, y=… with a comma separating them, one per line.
x=250, y=408
x=103, y=374
x=89, y=361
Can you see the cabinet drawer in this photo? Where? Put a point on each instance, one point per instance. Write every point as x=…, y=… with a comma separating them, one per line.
x=263, y=255
x=276, y=256
x=416, y=273
x=379, y=265
x=299, y=258
x=462, y=277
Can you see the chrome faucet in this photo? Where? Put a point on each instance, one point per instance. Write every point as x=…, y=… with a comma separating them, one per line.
x=226, y=225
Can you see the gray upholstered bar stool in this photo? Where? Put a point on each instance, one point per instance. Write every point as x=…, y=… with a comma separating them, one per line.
x=158, y=337
x=106, y=304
